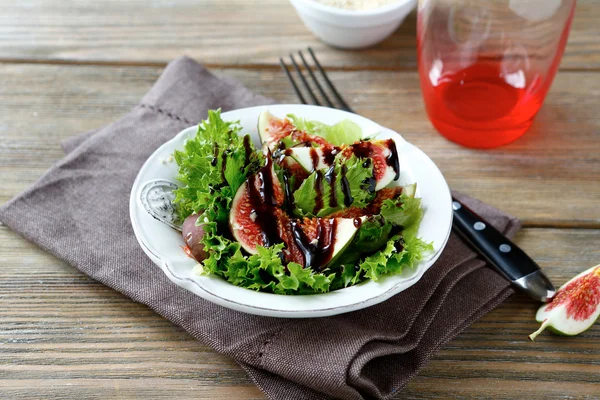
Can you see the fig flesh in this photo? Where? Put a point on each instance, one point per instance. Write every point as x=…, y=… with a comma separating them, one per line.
x=272, y=129
x=253, y=216
x=574, y=308
x=382, y=153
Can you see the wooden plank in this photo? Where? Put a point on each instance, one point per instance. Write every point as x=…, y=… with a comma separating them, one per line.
x=236, y=32
x=64, y=335
x=547, y=178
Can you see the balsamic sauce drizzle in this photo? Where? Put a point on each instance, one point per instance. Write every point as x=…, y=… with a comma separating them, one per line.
x=330, y=178
x=247, y=149
x=261, y=195
x=329, y=154
x=316, y=253
x=348, y=199
x=288, y=190
x=314, y=158
x=319, y=192
x=215, y=159
x=224, y=163
x=392, y=160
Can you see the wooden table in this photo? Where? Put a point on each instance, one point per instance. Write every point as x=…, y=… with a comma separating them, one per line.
x=69, y=66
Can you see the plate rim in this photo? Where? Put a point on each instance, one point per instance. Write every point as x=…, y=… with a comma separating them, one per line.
x=186, y=282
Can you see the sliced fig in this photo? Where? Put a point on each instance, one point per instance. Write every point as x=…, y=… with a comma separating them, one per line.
x=574, y=308
x=384, y=156
x=251, y=218
x=318, y=242
x=374, y=207
x=382, y=153
x=193, y=233
x=272, y=129
x=312, y=158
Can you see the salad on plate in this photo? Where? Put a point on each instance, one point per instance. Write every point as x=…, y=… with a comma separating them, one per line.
x=317, y=208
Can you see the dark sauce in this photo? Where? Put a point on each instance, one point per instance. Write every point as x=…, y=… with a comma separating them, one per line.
x=330, y=178
x=392, y=160
x=371, y=184
x=261, y=195
x=224, y=163
x=289, y=191
x=399, y=245
x=362, y=149
x=265, y=175
x=247, y=149
x=348, y=199
x=357, y=222
x=215, y=159
x=316, y=253
x=319, y=192
x=396, y=229
x=302, y=144
x=314, y=157
x=329, y=154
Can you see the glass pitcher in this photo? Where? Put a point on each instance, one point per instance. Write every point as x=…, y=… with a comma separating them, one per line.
x=486, y=65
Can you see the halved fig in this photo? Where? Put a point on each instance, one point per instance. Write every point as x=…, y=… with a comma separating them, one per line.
x=312, y=158
x=383, y=155
x=272, y=129
x=374, y=207
x=318, y=242
x=574, y=308
x=254, y=206
x=193, y=233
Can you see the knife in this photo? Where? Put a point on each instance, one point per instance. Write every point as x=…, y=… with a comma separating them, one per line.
x=507, y=257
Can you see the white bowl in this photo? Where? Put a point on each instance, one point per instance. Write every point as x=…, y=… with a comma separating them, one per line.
x=352, y=29
x=164, y=245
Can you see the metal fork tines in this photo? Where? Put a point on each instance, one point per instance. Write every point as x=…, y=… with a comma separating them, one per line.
x=315, y=82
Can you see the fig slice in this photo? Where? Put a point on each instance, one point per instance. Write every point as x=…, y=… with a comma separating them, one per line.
x=252, y=218
x=272, y=129
x=383, y=154
x=192, y=233
x=574, y=308
x=318, y=242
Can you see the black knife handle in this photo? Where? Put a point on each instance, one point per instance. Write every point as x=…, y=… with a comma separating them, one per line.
x=503, y=253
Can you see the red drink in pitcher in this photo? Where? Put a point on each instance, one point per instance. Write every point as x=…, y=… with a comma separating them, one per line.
x=486, y=66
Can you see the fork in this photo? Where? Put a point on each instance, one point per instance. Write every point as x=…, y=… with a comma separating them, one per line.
x=342, y=103
x=509, y=259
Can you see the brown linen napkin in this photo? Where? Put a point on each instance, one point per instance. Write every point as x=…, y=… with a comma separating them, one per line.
x=78, y=211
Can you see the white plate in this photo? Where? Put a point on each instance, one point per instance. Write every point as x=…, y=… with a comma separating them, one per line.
x=163, y=244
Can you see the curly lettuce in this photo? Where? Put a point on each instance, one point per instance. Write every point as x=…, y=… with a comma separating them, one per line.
x=357, y=174
x=344, y=132
x=217, y=160
x=214, y=163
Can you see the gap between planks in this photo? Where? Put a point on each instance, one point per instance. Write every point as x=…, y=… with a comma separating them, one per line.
x=250, y=66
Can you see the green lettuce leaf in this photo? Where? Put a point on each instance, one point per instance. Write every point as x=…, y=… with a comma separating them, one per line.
x=404, y=211
x=344, y=132
x=378, y=248
x=263, y=271
x=357, y=175
x=213, y=163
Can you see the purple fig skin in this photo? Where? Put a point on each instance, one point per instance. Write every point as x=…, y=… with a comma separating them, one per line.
x=192, y=236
